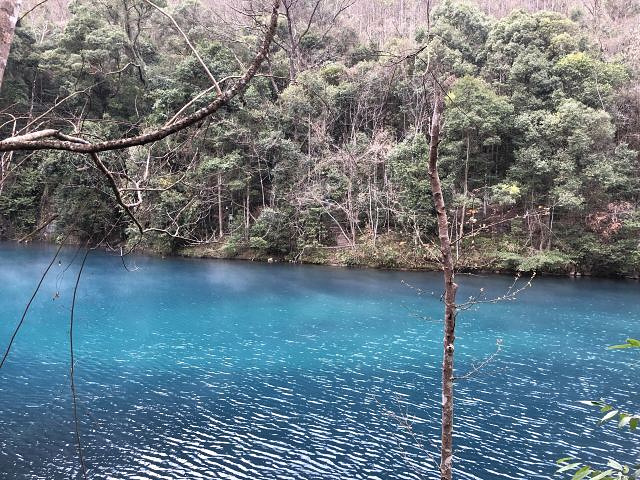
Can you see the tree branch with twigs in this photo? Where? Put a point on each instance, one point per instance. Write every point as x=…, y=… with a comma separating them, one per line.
x=46, y=137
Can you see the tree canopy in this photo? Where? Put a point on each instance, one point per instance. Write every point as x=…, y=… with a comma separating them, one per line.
x=327, y=145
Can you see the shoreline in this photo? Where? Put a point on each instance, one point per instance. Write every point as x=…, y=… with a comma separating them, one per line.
x=248, y=255
x=196, y=253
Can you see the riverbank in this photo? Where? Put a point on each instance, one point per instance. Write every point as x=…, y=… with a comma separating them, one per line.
x=484, y=255
x=392, y=252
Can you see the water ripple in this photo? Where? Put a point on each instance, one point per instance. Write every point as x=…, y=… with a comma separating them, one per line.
x=200, y=370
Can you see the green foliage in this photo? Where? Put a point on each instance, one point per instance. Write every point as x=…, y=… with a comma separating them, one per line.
x=539, y=143
x=408, y=168
x=505, y=193
x=615, y=470
x=477, y=120
x=17, y=202
x=472, y=106
x=21, y=68
x=571, y=155
x=630, y=343
x=271, y=232
x=237, y=240
x=546, y=261
x=610, y=413
x=588, y=80
x=460, y=31
x=521, y=33
x=596, y=255
x=363, y=53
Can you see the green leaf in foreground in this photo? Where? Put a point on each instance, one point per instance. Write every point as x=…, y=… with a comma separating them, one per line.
x=631, y=343
x=581, y=473
x=603, y=475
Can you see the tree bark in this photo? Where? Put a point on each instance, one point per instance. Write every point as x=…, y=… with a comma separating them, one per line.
x=464, y=201
x=293, y=44
x=220, y=219
x=450, y=289
x=9, y=10
x=247, y=216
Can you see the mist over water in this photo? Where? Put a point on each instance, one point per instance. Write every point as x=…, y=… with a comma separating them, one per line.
x=195, y=369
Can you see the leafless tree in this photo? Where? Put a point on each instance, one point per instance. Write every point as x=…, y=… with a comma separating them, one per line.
x=302, y=17
x=450, y=290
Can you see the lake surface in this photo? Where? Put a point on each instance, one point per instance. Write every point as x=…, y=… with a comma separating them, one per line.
x=198, y=369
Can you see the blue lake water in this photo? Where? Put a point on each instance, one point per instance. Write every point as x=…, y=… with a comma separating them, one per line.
x=198, y=369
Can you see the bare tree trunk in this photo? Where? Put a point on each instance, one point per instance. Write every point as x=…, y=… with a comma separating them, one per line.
x=309, y=149
x=248, y=213
x=220, y=220
x=464, y=201
x=450, y=288
x=353, y=216
x=293, y=44
x=9, y=10
x=372, y=225
x=553, y=209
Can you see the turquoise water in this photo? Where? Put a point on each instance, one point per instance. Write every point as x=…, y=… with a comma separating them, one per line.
x=198, y=369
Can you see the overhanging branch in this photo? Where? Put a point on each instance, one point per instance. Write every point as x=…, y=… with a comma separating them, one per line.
x=41, y=140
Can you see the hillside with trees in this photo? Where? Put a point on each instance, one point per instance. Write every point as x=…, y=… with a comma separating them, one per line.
x=323, y=158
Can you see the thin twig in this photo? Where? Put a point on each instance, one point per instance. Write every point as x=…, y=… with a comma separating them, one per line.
x=72, y=371
x=405, y=424
x=24, y=314
x=31, y=10
x=476, y=368
x=43, y=225
x=191, y=47
x=511, y=294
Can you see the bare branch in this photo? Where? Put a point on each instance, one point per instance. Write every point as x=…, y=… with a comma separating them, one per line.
x=72, y=369
x=24, y=313
x=480, y=366
x=38, y=143
x=186, y=39
x=31, y=10
x=40, y=227
x=511, y=294
x=30, y=137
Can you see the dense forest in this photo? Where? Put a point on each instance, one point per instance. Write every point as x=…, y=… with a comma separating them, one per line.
x=323, y=158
